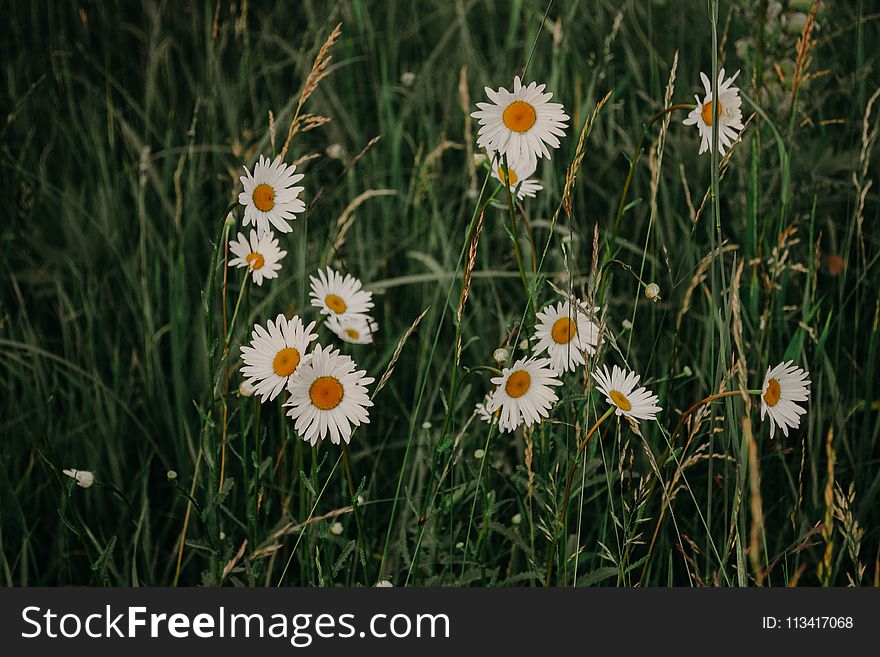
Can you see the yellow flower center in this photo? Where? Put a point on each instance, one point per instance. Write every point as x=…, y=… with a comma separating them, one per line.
x=511, y=177
x=354, y=335
x=264, y=197
x=255, y=260
x=519, y=116
x=518, y=383
x=620, y=400
x=285, y=361
x=771, y=397
x=326, y=392
x=563, y=330
x=335, y=303
x=706, y=112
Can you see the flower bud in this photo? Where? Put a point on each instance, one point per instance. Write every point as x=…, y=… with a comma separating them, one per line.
x=83, y=478
x=245, y=389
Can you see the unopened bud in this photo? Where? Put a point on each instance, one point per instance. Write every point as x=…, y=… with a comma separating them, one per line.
x=652, y=292
x=501, y=356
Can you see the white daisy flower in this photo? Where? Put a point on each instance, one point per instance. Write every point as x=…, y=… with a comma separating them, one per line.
x=355, y=329
x=275, y=353
x=342, y=297
x=728, y=112
x=83, y=478
x=520, y=124
x=327, y=396
x=518, y=173
x=784, y=385
x=620, y=391
x=523, y=393
x=482, y=413
x=567, y=334
x=269, y=195
x=260, y=255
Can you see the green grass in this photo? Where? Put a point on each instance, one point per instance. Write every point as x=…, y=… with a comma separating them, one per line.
x=127, y=127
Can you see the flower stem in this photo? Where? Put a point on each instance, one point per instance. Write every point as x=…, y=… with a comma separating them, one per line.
x=352, y=489
x=684, y=416
x=637, y=153
x=551, y=556
x=707, y=400
x=513, y=232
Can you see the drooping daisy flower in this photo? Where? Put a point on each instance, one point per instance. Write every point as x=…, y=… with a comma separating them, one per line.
x=518, y=175
x=620, y=391
x=520, y=124
x=784, y=386
x=482, y=413
x=260, y=255
x=83, y=478
x=727, y=111
x=275, y=353
x=269, y=195
x=342, y=297
x=328, y=395
x=567, y=334
x=523, y=394
x=355, y=329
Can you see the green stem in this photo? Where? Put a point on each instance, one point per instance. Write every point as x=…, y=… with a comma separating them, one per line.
x=228, y=336
x=513, y=232
x=634, y=160
x=684, y=416
x=551, y=560
x=352, y=489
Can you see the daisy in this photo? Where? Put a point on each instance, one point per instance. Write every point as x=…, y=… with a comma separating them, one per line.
x=728, y=112
x=620, y=391
x=269, y=195
x=356, y=329
x=518, y=175
x=275, y=353
x=522, y=123
x=482, y=413
x=260, y=255
x=327, y=396
x=784, y=385
x=342, y=297
x=83, y=478
x=523, y=393
x=567, y=334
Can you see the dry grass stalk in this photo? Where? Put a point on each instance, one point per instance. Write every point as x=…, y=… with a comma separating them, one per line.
x=272, y=130
x=469, y=267
x=319, y=72
x=346, y=219
x=805, y=44
x=351, y=163
x=231, y=563
x=850, y=530
x=390, y=369
x=824, y=570
x=464, y=100
x=861, y=181
x=655, y=157
x=580, y=151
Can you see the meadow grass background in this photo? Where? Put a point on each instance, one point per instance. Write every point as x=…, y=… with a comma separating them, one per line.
x=126, y=128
